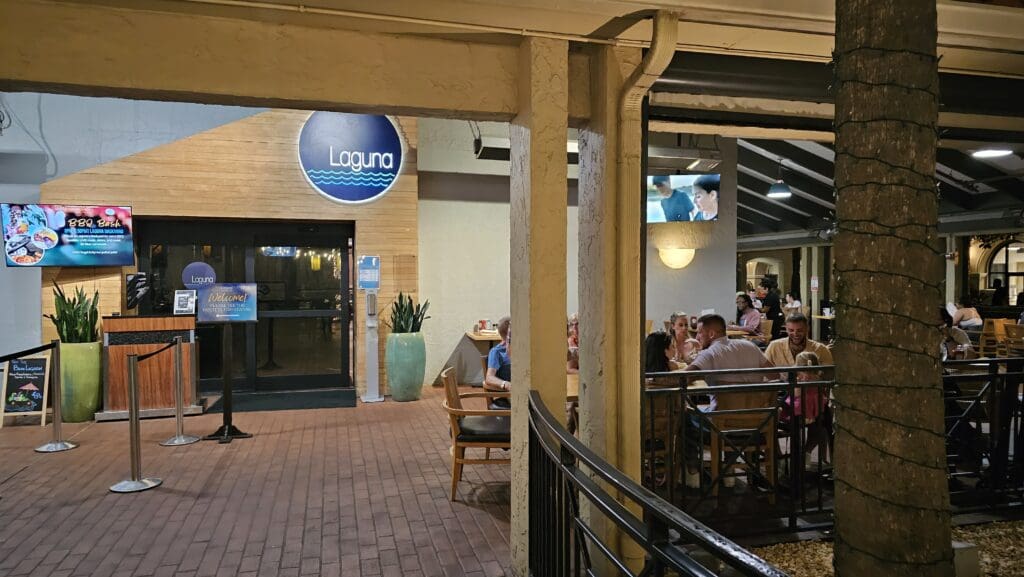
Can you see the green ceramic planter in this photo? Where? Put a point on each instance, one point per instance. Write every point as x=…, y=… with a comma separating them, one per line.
x=406, y=358
x=80, y=378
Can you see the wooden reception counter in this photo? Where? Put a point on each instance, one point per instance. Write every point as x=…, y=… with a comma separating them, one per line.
x=123, y=336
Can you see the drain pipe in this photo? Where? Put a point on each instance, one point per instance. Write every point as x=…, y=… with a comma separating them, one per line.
x=663, y=47
x=624, y=439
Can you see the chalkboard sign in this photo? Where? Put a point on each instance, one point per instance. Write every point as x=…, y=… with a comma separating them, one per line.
x=25, y=387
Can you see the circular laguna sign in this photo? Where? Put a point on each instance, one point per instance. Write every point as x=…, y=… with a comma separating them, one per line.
x=350, y=158
x=198, y=274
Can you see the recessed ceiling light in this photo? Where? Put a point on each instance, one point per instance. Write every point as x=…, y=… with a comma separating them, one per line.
x=991, y=153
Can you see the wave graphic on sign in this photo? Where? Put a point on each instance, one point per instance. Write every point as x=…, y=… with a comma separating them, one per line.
x=347, y=173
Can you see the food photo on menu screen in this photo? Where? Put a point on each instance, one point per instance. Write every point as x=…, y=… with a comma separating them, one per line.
x=66, y=235
x=683, y=197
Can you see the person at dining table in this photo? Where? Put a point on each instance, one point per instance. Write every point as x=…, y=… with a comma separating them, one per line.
x=966, y=316
x=783, y=352
x=719, y=352
x=684, y=348
x=793, y=304
x=499, y=364
x=955, y=342
x=572, y=357
x=748, y=319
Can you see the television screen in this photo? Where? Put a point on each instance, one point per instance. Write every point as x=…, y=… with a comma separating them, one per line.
x=682, y=197
x=65, y=235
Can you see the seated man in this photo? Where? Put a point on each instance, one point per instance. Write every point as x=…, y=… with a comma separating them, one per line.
x=719, y=352
x=499, y=363
x=782, y=352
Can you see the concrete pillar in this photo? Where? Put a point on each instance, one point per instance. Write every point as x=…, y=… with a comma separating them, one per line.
x=609, y=287
x=539, y=197
x=815, y=297
x=951, y=270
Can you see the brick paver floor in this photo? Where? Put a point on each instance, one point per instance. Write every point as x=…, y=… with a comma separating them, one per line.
x=354, y=492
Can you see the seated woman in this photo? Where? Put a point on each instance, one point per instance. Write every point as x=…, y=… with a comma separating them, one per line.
x=684, y=348
x=748, y=319
x=966, y=316
x=658, y=352
x=792, y=304
x=572, y=358
x=955, y=342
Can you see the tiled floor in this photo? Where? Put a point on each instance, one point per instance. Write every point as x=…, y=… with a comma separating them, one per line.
x=354, y=492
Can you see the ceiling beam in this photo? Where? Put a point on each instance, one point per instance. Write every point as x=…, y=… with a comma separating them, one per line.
x=796, y=202
x=759, y=203
x=770, y=168
x=1012, y=188
x=757, y=219
x=797, y=155
x=96, y=50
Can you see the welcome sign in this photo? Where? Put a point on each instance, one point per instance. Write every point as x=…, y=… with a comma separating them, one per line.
x=227, y=303
x=350, y=158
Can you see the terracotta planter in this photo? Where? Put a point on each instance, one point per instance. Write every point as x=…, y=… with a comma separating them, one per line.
x=406, y=361
x=80, y=378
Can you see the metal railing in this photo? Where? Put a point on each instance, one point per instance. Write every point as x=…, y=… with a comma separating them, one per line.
x=787, y=486
x=565, y=474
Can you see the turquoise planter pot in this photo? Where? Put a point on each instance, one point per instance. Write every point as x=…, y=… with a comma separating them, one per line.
x=80, y=378
x=406, y=360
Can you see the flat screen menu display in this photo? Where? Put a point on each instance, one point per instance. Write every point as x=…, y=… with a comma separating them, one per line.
x=67, y=235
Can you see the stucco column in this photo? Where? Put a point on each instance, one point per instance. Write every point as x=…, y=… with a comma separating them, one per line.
x=539, y=195
x=609, y=283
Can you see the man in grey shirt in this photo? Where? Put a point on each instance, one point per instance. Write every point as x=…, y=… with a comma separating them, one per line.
x=719, y=352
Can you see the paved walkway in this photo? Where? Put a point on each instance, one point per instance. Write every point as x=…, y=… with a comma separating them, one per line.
x=354, y=492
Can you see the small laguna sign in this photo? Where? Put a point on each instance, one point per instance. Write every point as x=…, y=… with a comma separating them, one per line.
x=350, y=158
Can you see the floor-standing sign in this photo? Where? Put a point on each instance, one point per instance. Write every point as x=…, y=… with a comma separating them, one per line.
x=227, y=304
x=368, y=279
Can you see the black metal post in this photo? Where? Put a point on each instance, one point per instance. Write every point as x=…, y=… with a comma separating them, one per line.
x=227, y=432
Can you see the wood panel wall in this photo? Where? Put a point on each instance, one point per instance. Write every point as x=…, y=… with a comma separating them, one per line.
x=247, y=169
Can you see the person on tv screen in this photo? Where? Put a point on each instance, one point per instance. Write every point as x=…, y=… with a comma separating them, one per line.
x=705, y=196
x=675, y=202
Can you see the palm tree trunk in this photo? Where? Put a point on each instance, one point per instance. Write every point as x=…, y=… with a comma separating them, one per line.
x=892, y=501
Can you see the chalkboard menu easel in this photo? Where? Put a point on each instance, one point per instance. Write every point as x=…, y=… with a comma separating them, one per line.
x=25, y=388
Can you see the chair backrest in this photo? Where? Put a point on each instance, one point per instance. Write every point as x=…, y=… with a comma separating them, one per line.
x=451, y=388
x=766, y=328
x=766, y=402
x=649, y=326
x=1014, y=340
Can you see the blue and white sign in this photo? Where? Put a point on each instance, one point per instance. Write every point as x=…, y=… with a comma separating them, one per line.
x=350, y=158
x=227, y=303
x=198, y=274
x=368, y=273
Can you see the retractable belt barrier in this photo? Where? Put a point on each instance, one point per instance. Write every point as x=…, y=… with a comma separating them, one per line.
x=137, y=482
x=179, y=438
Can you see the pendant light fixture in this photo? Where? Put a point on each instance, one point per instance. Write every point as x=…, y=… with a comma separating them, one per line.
x=779, y=189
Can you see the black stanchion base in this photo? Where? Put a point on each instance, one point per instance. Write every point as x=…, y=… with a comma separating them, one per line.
x=226, y=434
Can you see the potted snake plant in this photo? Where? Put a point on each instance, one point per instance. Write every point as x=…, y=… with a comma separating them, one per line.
x=76, y=321
x=406, y=353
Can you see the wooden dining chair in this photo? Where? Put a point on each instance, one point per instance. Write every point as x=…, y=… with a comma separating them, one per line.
x=474, y=428
x=992, y=342
x=746, y=433
x=1014, y=340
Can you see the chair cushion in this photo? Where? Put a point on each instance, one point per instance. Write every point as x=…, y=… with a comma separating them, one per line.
x=483, y=429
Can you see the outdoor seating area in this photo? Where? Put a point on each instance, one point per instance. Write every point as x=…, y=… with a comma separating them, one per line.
x=313, y=492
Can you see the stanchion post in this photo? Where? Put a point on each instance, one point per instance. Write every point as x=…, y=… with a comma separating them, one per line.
x=58, y=443
x=179, y=438
x=137, y=482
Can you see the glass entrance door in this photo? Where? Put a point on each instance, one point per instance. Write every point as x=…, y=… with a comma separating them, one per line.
x=302, y=271
x=303, y=326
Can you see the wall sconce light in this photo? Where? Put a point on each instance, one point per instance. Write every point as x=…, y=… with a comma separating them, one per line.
x=676, y=257
x=678, y=242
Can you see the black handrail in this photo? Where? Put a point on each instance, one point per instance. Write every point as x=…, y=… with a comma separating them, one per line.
x=559, y=481
x=158, y=351
x=28, y=352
